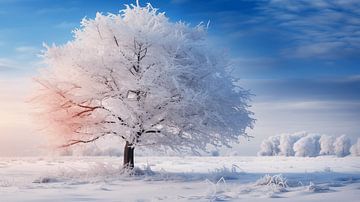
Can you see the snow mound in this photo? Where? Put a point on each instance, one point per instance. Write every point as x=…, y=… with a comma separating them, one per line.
x=318, y=188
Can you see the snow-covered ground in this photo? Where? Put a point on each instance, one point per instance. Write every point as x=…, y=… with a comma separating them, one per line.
x=323, y=178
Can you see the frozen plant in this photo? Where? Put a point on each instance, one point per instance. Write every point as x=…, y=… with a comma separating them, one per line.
x=342, y=146
x=317, y=188
x=287, y=142
x=327, y=145
x=355, y=149
x=277, y=183
x=269, y=147
x=307, y=146
x=138, y=76
x=216, y=190
x=232, y=173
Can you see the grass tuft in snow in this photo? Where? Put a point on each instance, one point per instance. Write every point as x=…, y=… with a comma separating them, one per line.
x=277, y=183
x=226, y=173
x=317, y=188
x=276, y=180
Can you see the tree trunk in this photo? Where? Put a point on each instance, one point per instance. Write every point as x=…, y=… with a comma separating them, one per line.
x=129, y=156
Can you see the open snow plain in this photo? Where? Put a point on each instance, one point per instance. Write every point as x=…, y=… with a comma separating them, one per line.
x=324, y=178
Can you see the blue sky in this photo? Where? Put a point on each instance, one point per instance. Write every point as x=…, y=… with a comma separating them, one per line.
x=300, y=58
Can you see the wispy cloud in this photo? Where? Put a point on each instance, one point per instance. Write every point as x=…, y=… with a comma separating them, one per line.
x=321, y=28
x=66, y=25
x=314, y=105
x=55, y=10
x=27, y=50
x=336, y=89
x=7, y=65
x=179, y=1
x=18, y=66
x=251, y=66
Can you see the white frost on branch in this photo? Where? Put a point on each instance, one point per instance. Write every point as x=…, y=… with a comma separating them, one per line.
x=147, y=80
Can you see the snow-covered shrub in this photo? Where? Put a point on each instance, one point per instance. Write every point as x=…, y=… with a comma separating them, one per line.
x=266, y=148
x=269, y=147
x=342, y=146
x=355, y=149
x=307, y=146
x=287, y=142
x=327, y=145
x=232, y=173
x=317, y=188
x=276, y=183
x=275, y=180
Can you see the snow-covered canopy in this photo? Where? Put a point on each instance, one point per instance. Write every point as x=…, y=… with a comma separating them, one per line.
x=143, y=78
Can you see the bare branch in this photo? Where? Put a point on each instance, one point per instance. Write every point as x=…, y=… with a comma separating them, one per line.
x=157, y=123
x=74, y=142
x=116, y=41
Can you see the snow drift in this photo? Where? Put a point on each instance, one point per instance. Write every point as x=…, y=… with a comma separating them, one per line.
x=305, y=144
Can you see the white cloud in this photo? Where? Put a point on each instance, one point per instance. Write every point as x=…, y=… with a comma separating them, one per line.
x=27, y=50
x=19, y=65
x=315, y=105
x=66, y=25
x=319, y=28
x=55, y=10
x=7, y=64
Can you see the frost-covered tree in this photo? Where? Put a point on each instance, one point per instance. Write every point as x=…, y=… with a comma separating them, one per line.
x=307, y=146
x=145, y=79
x=270, y=146
x=355, y=149
x=287, y=142
x=327, y=145
x=342, y=146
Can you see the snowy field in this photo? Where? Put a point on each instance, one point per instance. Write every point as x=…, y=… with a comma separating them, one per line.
x=181, y=179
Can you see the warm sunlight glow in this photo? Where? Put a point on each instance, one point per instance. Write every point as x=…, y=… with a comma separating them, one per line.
x=16, y=127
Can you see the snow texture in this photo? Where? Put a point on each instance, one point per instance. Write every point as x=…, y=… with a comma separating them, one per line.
x=325, y=178
x=303, y=144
